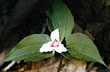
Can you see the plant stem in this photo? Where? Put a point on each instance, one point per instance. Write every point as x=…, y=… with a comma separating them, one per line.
x=53, y=52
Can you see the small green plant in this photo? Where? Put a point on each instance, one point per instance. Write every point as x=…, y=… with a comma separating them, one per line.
x=39, y=46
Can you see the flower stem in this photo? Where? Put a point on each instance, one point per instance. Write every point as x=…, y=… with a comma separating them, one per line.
x=53, y=52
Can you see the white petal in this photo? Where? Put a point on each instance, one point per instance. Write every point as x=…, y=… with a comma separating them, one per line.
x=55, y=35
x=46, y=47
x=60, y=49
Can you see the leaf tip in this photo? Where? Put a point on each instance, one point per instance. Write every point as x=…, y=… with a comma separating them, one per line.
x=103, y=64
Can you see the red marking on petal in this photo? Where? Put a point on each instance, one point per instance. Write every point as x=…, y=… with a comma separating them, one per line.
x=52, y=45
x=55, y=44
x=55, y=40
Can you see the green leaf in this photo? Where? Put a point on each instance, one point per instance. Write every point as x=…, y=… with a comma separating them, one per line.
x=67, y=55
x=82, y=48
x=28, y=49
x=60, y=17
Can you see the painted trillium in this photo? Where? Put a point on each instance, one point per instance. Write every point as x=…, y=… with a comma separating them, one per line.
x=54, y=44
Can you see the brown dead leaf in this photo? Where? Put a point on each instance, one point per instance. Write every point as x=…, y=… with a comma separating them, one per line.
x=73, y=66
x=2, y=57
x=54, y=64
x=50, y=65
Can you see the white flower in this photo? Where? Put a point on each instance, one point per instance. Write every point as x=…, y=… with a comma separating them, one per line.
x=54, y=44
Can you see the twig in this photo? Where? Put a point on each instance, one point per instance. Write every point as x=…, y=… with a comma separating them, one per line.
x=9, y=66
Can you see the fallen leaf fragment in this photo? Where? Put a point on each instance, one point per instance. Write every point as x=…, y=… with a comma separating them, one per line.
x=94, y=69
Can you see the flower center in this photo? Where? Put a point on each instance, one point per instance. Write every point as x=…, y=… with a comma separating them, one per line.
x=55, y=43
